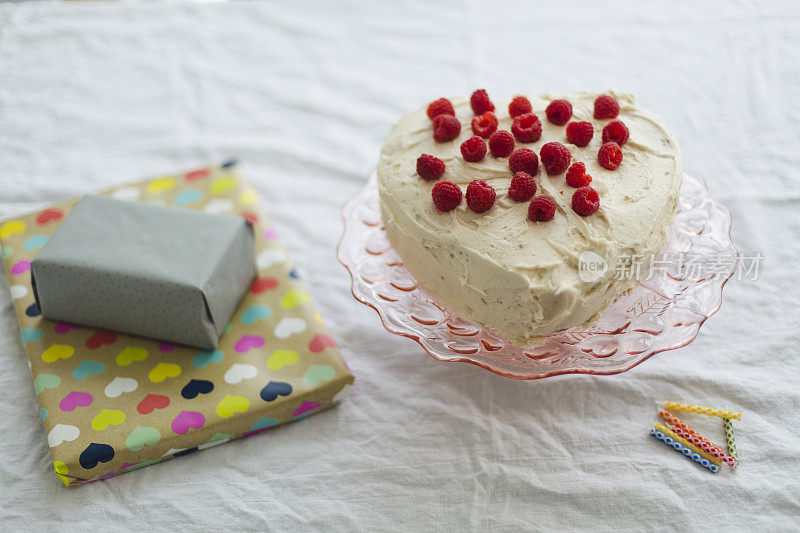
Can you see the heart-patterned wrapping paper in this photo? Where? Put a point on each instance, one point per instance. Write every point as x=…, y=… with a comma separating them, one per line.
x=113, y=403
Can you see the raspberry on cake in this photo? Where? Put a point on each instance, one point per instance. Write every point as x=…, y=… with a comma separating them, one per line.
x=473, y=149
x=445, y=128
x=484, y=125
x=524, y=160
x=559, y=112
x=616, y=131
x=605, y=106
x=555, y=157
x=519, y=106
x=480, y=102
x=542, y=209
x=501, y=144
x=508, y=268
x=577, y=176
x=580, y=133
x=522, y=187
x=480, y=196
x=585, y=201
x=446, y=195
x=527, y=128
x=609, y=156
x=430, y=167
x=442, y=106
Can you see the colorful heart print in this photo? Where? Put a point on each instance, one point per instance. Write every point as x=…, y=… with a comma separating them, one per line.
x=207, y=357
x=238, y=372
x=127, y=194
x=142, y=436
x=262, y=424
x=34, y=242
x=219, y=206
x=248, y=342
x=230, y=405
x=195, y=387
x=273, y=389
x=18, y=291
x=20, y=267
x=187, y=420
x=305, y=409
x=159, y=185
x=281, y=358
x=31, y=335
x=254, y=313
x=95, y=453
x=223, y=184
x=316, y=374
x=189, y=196
x=106, y=418
x=11, y=228
x=56, y=352
x=270, y=256
x=43, y=382
x=163, y=371
x=294, y=297
x=88, y=368
x=33, y=310
x=49, y=215
x=263, y=284
x=129, y=355
x=100, y=338
x=119, y=386
x=75, y=399
x=151, y=402
x=320, y=342
x=62, y=433
x=62, y=328
x=289, y=326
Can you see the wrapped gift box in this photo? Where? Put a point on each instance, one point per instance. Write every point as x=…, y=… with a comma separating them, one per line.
x=161, y=272
x=112, y=403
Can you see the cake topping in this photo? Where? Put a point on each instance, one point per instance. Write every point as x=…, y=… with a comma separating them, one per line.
x=480, y=102
x=609, y=155
x=559, y=112
x=480, y=196
x=430, y=167
x=580, y=133
x=442, y=106
x=577, y=176
x=605, y=107
x=473, y=149
x=555, y=157
x=616, y=131
x=501, y=143
x=519, y=106
x=446, y=195
x=522, y=187
x=527, y=128
x=445, y=128
x=542, y=209
x=484, y=125
x=524, y=160
x=585, y=201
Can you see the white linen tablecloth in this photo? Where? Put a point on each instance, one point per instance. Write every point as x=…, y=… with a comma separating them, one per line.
x=304, y=93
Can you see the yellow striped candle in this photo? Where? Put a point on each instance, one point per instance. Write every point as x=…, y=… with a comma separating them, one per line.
x=675, y=406
x=686, y=431
x=666, y=431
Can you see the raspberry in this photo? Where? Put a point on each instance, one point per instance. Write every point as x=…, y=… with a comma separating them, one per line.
x=609, y=155
x=429, y=167
x=524, y=160
x=558, y=112
x=522, y=187
x=480, y=196
x=480, y=102
x=484, y=125
x=446, y=195
x=473, y=149
x=442, y=106
x=577, y=176
x=501, y=143
x=605, y=107
x=585, y=201
x=580, y=133
x=542, y=209
x=445, y=128
x=519, y=106
x=527, y=128
x=616, y=131
x=555, y=157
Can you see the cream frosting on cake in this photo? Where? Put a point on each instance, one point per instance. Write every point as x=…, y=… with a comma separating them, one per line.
x=498, y=268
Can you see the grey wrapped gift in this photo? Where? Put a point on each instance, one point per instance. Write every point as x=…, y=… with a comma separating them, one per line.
x=167, y=273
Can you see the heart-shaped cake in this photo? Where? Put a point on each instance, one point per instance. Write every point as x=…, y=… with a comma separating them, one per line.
x=531, y=215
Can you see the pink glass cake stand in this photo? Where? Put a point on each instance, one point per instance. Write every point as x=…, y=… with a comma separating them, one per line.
x=664, y=312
